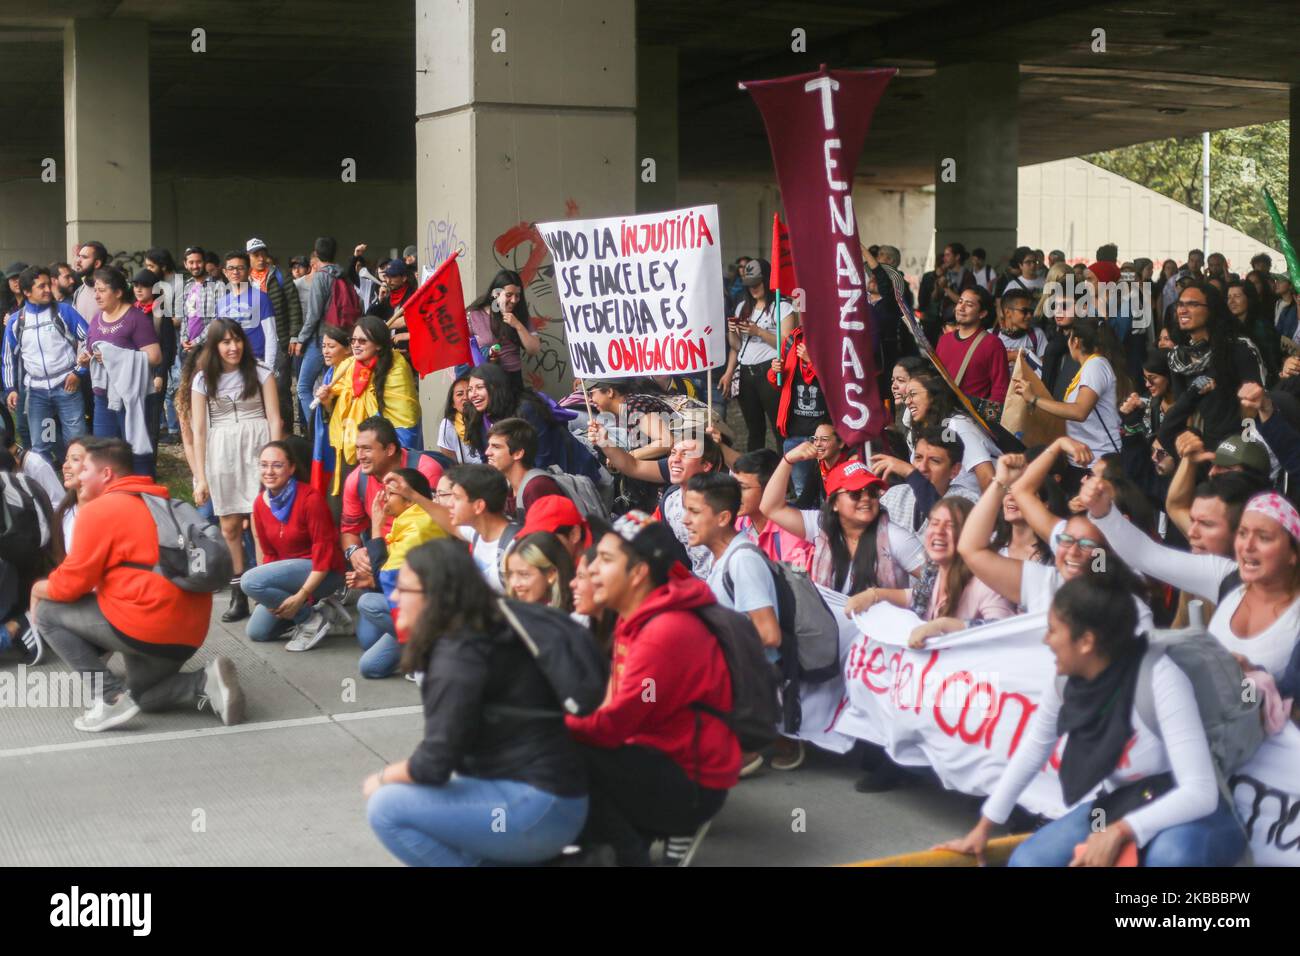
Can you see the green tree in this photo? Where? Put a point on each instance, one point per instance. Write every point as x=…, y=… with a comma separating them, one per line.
x=1242, y=162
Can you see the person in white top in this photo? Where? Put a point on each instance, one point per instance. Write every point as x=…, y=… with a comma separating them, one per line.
x=753, y=334
x=929, y=405
x=1258, y=618
x=1091, y=406
x=1080, y=549
x=1092, y=632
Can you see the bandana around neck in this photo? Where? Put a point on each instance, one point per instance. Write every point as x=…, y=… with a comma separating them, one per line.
x=361, y=373
x=282, y=503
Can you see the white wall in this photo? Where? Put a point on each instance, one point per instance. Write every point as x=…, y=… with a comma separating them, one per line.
x=1075, y=206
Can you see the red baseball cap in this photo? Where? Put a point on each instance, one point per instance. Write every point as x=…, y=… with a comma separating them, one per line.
x=851, y=476
x=553, y=512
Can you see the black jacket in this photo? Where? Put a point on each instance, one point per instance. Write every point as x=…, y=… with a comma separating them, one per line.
x=466, y=674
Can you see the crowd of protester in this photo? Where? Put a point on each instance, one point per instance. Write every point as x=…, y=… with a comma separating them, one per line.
x=668, y=563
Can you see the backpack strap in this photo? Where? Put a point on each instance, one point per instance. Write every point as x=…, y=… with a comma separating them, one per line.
x=519, y=495
x=1144, y=694
x=1229, y=584
x=970, y=353
x=728, y=584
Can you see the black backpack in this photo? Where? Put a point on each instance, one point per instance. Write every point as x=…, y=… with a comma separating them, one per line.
x=566, y=654
x=22, y=542
x=755, y=708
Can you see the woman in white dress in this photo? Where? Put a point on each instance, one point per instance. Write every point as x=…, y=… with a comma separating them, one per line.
x=238, y=413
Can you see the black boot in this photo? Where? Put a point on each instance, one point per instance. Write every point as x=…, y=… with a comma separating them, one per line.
x=238, y=609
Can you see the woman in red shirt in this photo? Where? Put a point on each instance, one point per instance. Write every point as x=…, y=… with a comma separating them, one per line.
x=299, y=559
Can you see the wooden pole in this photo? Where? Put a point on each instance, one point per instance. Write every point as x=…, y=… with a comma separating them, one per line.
x=708, y=389
x=586, y=398
x=780, y=352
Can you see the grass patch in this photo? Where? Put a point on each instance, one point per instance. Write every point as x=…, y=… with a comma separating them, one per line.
x=174, y=472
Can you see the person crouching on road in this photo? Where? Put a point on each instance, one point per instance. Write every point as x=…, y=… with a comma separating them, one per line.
x=657, y=764
x=300, y=565
x=103, y=598
x=506, y=790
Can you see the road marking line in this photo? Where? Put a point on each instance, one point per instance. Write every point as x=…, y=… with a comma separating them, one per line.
x=128, y=739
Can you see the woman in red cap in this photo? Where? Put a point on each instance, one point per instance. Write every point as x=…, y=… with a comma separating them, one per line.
x=855, y=546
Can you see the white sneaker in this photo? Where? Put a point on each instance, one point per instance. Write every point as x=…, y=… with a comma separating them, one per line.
x=222, y=693
x=310, y=632
x=105, y=716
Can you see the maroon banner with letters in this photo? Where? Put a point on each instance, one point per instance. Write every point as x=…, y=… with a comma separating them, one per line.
x=816, y=124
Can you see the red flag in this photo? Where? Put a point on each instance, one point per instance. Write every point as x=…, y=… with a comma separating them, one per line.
x=435, y=317
x=784, y=279
x=816, y=124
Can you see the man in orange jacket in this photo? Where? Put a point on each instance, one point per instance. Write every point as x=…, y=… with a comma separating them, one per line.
x=97, y=600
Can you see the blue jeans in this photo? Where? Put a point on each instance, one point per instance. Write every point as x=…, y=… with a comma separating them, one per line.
x=803, y=472
x=468, y=821
x=377, y=636
x=111, y=424
x=173, y=380
x=1213, y=840
x=313, y=363
x=54, y=418
x=271, y=584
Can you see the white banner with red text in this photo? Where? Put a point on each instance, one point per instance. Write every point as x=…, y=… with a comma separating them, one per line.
x=641, y=295
x=962, y=704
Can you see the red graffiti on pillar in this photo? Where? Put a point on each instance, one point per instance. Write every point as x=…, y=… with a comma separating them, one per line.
x=516, y=236
x=570, y=208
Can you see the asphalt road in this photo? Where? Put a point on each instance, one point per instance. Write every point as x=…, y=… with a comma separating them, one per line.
x=284, y=789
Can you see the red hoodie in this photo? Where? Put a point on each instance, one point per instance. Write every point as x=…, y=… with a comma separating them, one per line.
x=664, y=660
x=115, y=528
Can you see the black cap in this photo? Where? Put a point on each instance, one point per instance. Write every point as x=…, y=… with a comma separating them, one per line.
x=14, y=270
x=145, y=277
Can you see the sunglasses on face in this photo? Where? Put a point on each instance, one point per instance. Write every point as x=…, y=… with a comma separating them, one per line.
x=856, y=494
x=1086, y=544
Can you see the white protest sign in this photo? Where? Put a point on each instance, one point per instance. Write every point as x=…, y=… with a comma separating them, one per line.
x=962, y=704
x=640, y=295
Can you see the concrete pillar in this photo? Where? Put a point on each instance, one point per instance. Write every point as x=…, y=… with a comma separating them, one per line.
x=656, y=128
x=976, y=141
x=106, y=133
x=525, y=113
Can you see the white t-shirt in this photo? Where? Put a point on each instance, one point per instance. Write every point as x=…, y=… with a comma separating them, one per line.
x=1201, y=575
x=751, y=580
x=1040, y=582
x=69, y=523
x=1100, y=430
x=486, y=555
x=461, y=450
x=1034, y=340
x=753, y=350
x=231, y=384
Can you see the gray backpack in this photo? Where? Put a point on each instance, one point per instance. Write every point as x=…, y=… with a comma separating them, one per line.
x=1231, y=716
x=579, y=489
x=191, y=552
x=807, y=623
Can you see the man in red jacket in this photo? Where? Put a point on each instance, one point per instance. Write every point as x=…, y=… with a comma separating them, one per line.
x=656, y=764
x=99, y=600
